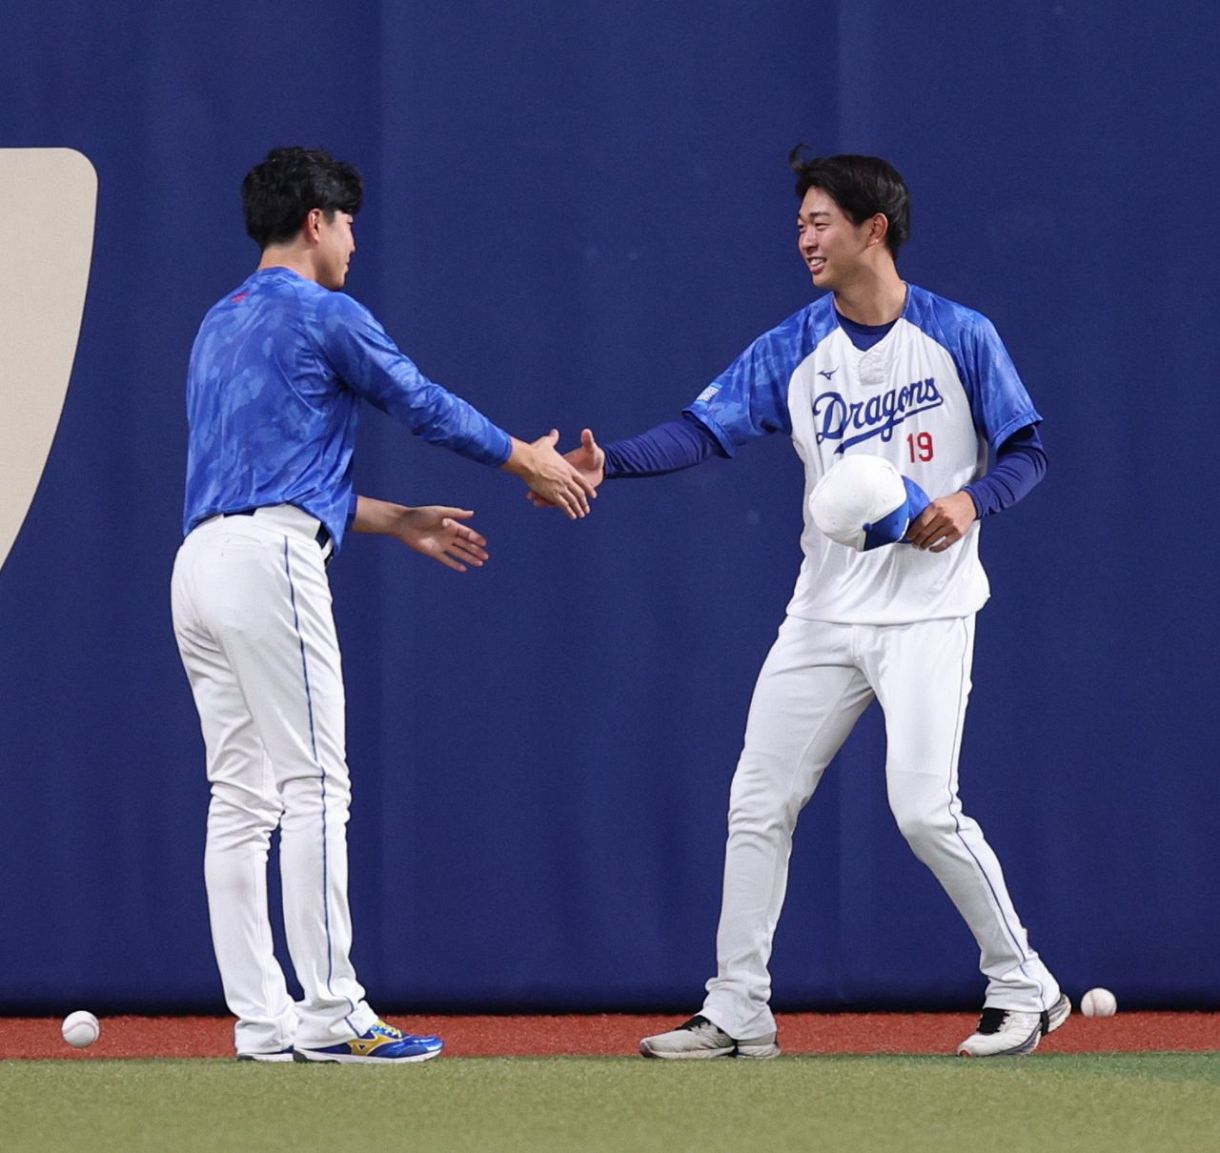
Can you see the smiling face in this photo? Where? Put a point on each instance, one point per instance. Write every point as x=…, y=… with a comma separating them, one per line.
x=834, y=249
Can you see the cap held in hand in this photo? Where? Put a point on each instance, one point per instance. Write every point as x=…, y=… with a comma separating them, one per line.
x=864, y=502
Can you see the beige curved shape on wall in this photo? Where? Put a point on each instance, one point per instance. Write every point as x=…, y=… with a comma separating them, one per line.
x=49, y=197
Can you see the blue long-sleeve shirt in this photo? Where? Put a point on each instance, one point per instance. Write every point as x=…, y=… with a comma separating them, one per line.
x=273, y=390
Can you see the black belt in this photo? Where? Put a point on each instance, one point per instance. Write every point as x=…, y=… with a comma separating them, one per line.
x=322, y=536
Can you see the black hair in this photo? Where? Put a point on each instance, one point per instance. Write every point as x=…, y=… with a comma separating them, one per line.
x=280, y=192
x=862, y=186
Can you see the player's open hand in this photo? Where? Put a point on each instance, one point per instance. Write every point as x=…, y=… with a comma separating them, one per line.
x=589, y=460
x=943, y=523
x=434, y=531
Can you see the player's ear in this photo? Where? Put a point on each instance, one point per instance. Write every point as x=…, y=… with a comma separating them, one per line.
x=878, y=228
x=312, y=226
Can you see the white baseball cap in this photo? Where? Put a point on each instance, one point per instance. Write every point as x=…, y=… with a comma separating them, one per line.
x=864, y=502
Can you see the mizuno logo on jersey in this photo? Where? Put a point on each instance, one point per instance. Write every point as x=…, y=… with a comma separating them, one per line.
x=851, y=422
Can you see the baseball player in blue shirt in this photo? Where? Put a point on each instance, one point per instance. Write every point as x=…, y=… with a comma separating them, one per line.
x=889, y=393
x=276, y=377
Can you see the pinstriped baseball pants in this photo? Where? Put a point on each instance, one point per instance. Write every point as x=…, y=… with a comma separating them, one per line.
x=252, y=616
x=815, y=683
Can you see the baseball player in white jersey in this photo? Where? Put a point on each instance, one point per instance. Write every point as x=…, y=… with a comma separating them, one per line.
x=276, y=377
x=883, y=610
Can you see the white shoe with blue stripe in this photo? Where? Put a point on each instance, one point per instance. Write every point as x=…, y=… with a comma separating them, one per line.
x=1007, y=1033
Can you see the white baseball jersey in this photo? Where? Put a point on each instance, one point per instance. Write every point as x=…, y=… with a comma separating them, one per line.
x=930, y=397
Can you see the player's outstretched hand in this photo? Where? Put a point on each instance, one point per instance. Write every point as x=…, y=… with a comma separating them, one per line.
x=589, y=460
x=550, y=476
x=430, y=529
x=943, y=523
x=433, y=530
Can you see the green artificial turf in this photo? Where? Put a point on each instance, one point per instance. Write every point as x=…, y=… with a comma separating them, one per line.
x=1144, y=1103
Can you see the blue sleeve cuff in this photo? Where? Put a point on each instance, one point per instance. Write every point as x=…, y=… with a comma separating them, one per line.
x=668, y=447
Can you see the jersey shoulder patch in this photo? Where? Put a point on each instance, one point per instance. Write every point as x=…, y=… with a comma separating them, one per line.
x=749, y=399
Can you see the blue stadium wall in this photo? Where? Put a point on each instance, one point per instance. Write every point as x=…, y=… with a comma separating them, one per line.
x=579, y=214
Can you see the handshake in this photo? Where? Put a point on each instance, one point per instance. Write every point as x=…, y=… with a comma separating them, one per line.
x=566, y=482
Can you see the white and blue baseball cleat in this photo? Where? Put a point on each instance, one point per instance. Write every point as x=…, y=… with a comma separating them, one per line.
x=1007, y=1033
x=380, y=1045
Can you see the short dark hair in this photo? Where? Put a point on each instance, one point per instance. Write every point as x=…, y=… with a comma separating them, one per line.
x=862, y=186
x=280, y=192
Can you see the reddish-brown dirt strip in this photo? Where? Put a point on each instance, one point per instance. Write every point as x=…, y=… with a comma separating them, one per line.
x=617, y=1034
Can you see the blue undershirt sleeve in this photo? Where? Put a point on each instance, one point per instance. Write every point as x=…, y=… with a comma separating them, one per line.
x=668, y=447
x=1020, y=463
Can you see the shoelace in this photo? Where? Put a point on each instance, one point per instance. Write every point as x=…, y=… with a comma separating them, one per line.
x=992, y=1020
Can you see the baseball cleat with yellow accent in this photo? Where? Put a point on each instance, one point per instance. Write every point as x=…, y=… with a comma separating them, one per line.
x=380, y=1045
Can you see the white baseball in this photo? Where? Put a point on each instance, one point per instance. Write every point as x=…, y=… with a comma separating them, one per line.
x=80, y=1028
x=1099, y=1003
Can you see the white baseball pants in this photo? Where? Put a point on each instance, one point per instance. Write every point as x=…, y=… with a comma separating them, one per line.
x=252, y=614
x=816, y=681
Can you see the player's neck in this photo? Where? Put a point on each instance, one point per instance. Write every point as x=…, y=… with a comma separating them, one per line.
x=873, y=298
x=293, y=256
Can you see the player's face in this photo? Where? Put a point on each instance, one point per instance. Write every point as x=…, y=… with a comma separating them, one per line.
x=336, y=243
x=831, y=246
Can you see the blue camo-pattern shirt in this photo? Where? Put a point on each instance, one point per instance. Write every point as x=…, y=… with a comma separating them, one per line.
x=273, y=390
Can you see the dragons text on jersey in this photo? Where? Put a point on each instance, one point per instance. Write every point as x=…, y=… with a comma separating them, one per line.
x=930, y=397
